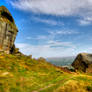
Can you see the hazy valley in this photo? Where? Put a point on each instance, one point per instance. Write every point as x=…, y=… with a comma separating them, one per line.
x=61, y=61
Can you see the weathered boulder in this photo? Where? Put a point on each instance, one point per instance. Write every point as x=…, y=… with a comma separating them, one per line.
x=83, y=63
x=8, y=30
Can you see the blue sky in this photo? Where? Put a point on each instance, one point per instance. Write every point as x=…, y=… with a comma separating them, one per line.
x=52, y=28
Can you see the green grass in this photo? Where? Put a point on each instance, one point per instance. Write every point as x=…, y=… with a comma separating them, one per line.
x=22, y=74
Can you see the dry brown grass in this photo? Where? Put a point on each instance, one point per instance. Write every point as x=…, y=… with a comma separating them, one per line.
x=73, y=86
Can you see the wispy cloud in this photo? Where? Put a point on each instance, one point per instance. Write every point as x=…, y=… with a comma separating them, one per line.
x=50, y=46
x=55, y=7
x=48, y=21
x=82, y=8
x=63, y=32
x=40, y=37
x=52, y=34
x=52, y=49
x=85, y=21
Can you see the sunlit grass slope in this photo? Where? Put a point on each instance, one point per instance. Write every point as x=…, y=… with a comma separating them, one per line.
x=22, y=74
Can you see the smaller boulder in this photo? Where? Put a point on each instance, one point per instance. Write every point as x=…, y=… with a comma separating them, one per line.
x=83, y=63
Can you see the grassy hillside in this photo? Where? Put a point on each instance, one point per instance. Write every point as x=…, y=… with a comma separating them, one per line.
x=22, y=74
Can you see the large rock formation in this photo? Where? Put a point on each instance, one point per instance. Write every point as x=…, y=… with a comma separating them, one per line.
x=83, y=63
x=8, y=31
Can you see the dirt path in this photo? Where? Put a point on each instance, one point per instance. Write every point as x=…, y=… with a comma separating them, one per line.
x=61, y=81
x=51, y=85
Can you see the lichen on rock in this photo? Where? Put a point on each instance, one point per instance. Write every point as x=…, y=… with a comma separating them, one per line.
x=8, y=30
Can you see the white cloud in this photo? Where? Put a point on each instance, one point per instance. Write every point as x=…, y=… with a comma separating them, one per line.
x=53, y=43
x=63, y=32
x=40, y=37
x=52, y=49
x=48, y=21
x=52, y=34
x=55, y=7
x=87, y=49
x=81, y=8
x=85, y=21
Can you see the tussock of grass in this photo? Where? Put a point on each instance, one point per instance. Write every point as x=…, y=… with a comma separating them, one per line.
x=77, y=83
x=73, y=86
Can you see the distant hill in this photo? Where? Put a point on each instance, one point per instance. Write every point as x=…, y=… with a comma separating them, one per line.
x=61, y=61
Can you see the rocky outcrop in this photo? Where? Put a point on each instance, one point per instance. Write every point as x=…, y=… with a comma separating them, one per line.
x=83, y=63
x=8, y=31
